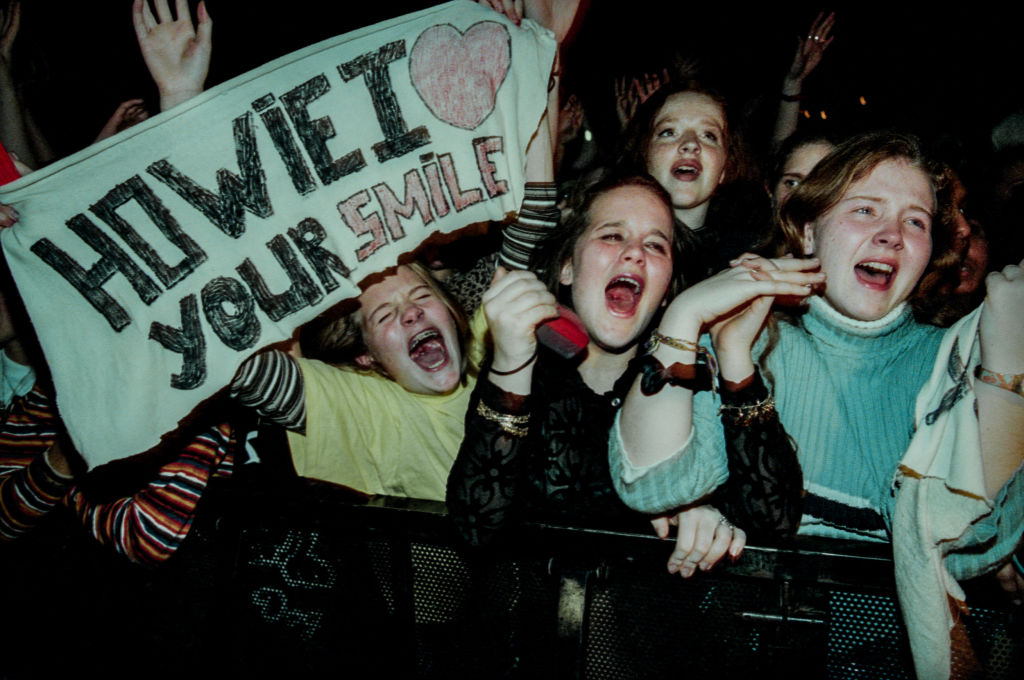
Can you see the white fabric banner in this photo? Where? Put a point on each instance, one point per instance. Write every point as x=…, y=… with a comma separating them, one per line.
x=154, y=263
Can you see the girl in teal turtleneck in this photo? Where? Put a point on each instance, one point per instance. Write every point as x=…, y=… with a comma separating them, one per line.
x=817, y=453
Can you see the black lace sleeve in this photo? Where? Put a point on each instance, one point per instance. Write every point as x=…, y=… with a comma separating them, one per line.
x=489, y=478
x=764, y=493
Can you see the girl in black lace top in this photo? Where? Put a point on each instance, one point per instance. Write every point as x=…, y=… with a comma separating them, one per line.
x=537, y=426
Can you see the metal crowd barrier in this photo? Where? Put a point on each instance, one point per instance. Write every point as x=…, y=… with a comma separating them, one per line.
x=310, y=584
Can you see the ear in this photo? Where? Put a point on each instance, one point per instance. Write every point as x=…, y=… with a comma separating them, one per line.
x=364, y=361
x=808, y=238
x=566, y=275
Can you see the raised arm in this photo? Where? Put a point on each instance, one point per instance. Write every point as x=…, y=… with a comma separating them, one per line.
x=271, y=384
x=999, y=384
x=487, y=484
x=654, y=426
x=809, y=51
x=176, y=51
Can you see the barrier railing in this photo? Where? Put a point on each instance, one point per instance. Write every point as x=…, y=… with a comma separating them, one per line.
x=309, y=585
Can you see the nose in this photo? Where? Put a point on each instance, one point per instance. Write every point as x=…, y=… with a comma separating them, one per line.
x=633, y=251
x=411, y=314
x=688, y=141
x=890, y=235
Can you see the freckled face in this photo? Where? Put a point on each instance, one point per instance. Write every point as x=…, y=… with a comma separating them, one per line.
x=621, y=266
x=687, y=150
x=798, y=165
x=875, y=243
x=410, y=332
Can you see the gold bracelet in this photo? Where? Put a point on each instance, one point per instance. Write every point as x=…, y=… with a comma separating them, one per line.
x=510, y=424
x=677, y=343
x=754, y=413
x=1013, y=382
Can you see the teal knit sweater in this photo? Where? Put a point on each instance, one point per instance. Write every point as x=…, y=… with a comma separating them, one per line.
x=845, y=392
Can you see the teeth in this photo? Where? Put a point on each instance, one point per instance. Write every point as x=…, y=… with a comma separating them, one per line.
x=422, y=337
x=631, y=282
x=879, y=267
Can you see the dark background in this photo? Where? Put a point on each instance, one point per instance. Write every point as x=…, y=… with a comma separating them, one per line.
x=951, y=72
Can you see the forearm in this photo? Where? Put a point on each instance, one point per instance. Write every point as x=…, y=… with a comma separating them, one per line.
x=789, y=111
x=149, y=526
x=764, y=493
x=27, y=494
x=656, y=425
x=271, y=384
x=537, y=217
x=686, y=476
x=1001, y=424
x=487, y=481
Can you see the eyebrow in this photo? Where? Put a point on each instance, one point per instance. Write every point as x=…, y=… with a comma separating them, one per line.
x=622, y=223
x=875, y=199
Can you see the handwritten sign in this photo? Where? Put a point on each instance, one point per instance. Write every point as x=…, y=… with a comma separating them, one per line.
x=154, y=263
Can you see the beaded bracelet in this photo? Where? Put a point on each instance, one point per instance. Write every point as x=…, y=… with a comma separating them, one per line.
x=509, y=423
x=750, y=414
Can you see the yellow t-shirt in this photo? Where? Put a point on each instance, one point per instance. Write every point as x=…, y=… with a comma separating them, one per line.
x=368, y=433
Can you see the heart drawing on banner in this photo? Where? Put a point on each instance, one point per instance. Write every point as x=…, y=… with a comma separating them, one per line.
x=457, y=75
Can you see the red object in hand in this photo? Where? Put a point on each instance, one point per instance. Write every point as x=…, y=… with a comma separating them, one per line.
x=8, y=173
x=565, y=335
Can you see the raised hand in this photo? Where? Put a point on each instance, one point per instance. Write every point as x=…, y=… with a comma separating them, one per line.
x=704, y=536
x=515, y=304
x=176, y=52
x=733, y=335
x=127, y=114
x=810, y=49
x=728, y=292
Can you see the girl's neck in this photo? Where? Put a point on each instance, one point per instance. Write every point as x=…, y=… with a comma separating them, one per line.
x=601, y=368
x=693, y=217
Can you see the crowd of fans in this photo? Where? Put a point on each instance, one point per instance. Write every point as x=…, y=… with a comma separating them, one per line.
x=757, y=335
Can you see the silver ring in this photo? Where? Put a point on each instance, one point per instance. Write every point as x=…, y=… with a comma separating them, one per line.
x=725, y=522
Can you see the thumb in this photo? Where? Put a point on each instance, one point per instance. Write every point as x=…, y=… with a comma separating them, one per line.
x=499, y=274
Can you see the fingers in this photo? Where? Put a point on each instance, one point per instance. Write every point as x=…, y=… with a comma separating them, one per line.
x=787, y=263
x=204, y=31
x=8, y=215
x=142, y=18
x=704, y=537
x=660, y=525
x=163, y=10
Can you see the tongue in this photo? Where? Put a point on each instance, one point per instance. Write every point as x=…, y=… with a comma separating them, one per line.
x=874, y=276
x=430, y=354
x=621, y=298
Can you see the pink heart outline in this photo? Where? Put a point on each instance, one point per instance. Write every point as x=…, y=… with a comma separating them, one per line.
x=457, y=74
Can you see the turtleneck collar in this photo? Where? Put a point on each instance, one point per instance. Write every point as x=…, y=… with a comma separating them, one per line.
x=835, y=328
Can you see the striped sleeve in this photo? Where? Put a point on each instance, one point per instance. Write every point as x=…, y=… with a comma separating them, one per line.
x=149, y=526
x=271, y=384
x=537, y=217
x=29, y=487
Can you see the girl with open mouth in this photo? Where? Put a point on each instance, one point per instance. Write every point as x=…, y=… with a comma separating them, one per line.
x=536, y=432
x=873, y=426
x=683, y=137
x=381, y=408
